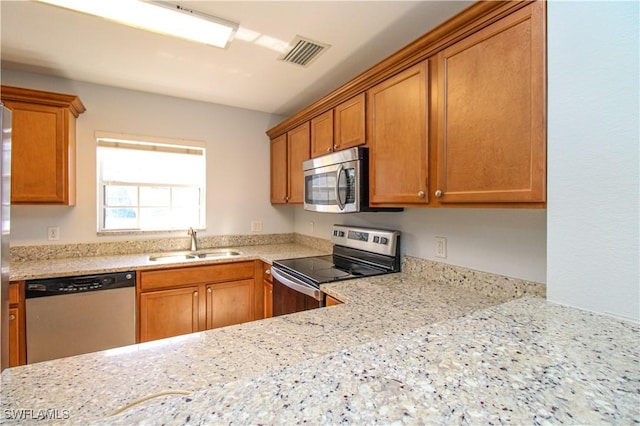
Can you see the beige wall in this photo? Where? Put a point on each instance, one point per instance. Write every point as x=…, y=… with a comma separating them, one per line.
x=237, y=159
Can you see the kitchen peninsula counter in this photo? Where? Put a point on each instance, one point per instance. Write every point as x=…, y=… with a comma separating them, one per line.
x=404, y=347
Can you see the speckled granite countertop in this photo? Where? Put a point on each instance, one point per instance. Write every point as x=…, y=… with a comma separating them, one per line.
x=100, y=264
x=400, y=350
x=403, y=349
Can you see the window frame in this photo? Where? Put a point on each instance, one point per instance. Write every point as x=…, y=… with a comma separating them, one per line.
x=146, y=143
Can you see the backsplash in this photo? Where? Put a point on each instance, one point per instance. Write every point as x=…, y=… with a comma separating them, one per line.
x=498, y=286
x=114, y=248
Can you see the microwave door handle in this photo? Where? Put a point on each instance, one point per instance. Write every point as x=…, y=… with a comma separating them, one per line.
x=338, y=200
x=295, y=284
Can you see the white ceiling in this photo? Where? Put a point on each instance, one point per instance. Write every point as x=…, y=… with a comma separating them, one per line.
x=45, y=39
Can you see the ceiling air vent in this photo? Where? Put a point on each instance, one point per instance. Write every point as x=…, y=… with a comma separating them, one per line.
x=303, y=51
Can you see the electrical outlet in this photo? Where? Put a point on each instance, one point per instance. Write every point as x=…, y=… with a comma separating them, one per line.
x=441, y=247
x=256, y=226
x=53, y=233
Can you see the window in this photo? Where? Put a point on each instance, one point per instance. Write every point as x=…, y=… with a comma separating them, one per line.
x=149, y=184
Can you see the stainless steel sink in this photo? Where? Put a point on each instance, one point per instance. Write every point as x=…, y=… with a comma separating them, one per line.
x=213, y=254
x=204, y=254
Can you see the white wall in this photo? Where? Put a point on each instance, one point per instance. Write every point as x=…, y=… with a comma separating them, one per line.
x=593, y=184
x=237, y=159
x=509, y=242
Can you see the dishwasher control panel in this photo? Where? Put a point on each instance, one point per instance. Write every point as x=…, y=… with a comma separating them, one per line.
x=80, y=284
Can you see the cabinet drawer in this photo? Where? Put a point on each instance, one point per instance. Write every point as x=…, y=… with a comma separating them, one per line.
x=165, y=278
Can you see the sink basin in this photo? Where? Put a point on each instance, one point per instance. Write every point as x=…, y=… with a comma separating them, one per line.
x=205, y=254
x=213, y=254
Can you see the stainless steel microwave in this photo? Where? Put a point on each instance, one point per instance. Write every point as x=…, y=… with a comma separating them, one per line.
x=338, y=182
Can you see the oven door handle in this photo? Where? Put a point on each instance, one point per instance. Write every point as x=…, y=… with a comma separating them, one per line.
x=296, y=284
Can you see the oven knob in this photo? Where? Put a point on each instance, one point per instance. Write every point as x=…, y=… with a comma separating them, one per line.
x=335, y=233
x=341, y=233
x=384, y=240
x=376, y=239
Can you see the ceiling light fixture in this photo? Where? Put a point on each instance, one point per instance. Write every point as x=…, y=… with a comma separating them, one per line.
x=158, y=16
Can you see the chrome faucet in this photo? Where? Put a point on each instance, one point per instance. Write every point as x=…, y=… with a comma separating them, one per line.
x=194, y=242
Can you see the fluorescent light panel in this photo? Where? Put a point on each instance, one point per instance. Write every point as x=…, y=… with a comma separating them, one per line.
x=157, y=16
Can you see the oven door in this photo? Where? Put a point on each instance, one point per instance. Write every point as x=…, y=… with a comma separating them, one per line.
x=333, y=189
x=293, y=295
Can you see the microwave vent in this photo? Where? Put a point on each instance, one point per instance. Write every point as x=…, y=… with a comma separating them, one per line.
x=303, y=51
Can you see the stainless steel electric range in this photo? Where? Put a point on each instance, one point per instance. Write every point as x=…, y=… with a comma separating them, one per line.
x=357, y=252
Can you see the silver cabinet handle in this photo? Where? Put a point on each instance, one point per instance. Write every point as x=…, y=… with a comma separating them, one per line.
x=421, y=194
x=438, y=193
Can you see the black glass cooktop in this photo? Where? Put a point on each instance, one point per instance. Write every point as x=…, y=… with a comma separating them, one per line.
x=324, y=269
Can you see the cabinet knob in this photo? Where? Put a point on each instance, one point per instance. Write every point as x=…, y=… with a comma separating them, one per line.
x=421, y=194
x=267, y=272
x=12, y=317
x=209, y=290
x=438, y=193
x=336, y=146
x=329, y=149
x=195, y=294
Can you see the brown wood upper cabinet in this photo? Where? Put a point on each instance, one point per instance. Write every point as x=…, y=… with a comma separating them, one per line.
x=43, y=148
x=491, y=139
x=340, y=128
x=456, y=118
x=287, y=154
x=397, y=121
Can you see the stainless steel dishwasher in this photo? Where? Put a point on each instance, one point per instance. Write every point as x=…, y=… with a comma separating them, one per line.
x=76, y=315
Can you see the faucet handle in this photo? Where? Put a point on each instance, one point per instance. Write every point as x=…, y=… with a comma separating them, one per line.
x=191, y=232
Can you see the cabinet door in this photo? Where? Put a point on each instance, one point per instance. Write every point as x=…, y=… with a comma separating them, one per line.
x=17, y=356
x=268, y=299
x=298, y=151
x=279, y=170
x=322, y=134
x=397, y=122
x=491, y=113
x=350, y=126
x=43, y=153
x=168, y=313
x=229, y=303
x=17, y=338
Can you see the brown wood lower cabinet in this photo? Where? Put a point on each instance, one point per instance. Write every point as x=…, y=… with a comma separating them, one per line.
x=267, y=284
x=168, y=313
x=178, y=301
x=229, y=303
x=17, y=336
x=331, y=301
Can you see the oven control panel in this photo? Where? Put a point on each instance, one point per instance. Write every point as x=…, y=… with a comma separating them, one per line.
x=379, y=241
